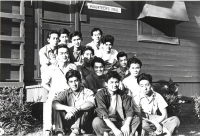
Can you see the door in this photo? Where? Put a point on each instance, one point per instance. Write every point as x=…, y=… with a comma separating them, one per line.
x=51, y=15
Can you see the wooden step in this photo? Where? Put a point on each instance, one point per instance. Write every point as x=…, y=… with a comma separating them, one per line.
x=15, y=84
x=11, y=61
x=12, y=16
x=11, y=38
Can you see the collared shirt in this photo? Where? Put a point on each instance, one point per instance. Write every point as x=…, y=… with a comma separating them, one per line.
x=47, y=57
x=69, y=98
x=74, y=57
x=56, y=78
x=131, y=84
x=103, y=102
x=150, y=104
x=94, y=47
x=95, y=82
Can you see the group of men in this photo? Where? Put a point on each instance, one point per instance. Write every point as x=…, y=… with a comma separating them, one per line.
x=95, y=83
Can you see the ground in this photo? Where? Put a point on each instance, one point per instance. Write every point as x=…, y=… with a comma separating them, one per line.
x=190, y=125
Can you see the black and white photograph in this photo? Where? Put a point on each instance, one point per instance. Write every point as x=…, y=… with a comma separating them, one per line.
x=99, y=68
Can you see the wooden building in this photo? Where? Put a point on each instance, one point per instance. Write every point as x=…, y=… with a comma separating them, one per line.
x=164, y=35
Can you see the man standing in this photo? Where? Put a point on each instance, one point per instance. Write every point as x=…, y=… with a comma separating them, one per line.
x=54, y=81
x=114, y=110
x=71, y=106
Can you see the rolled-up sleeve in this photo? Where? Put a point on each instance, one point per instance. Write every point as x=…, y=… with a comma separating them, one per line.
x=90, y=96
x=102, y=111
x=61, y=97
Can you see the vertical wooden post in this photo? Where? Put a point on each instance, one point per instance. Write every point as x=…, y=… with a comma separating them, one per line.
x=22, y=31
x=77, y=18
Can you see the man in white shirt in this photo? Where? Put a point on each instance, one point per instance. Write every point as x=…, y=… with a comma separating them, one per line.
x=150, y=102
x=96, y=35
x=54, y=81
x=108, y=54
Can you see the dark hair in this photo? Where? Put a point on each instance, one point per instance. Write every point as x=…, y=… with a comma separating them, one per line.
x=73, y=73
x=144, y=76
x=121, y=54
x=96, y=29
x=135, y=61
x=112, y=74
x=52, y=32
x=61, y=46
x=99, y=60
x=63, y=31
x=75, y=33
x=107, y=38
x=85, y=48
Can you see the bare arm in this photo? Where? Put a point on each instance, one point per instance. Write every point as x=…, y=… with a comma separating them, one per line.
x=86, y=106
x=162, y=117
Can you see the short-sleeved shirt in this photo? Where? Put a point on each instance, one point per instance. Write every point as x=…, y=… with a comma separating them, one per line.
x=110, y=58
x=47, y=57
x=56, y=78
x=94, y=47
x=150, y=104
x=131, y=84
x=103, y=102
x=69, y=98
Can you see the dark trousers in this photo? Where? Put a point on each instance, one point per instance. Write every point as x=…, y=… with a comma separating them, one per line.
x=76, y=122
x=100, y=126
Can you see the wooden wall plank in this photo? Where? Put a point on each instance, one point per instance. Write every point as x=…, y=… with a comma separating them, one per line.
x=11, y=15
x=16, y=84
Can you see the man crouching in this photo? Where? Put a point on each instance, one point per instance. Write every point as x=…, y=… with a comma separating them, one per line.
x=114, y=110
x=71, y=107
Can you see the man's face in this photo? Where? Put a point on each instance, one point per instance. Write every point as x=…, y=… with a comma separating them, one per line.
x=123, y=61
x=63, y=55
x=74, y=83
x=63, y=38
x=134, y=69
x=96, y=36
x=76, y=41
x=88, y=55
x=53, y=40
x=107, y=47
x=112, y=84
x=145, y=87
x=98, y=68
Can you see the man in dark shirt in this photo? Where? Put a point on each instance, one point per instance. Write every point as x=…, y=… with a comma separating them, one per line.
x=85, y=65
x=96, y=80
x=122, y=70
x=71, y=107
x=75, y=50
x=114, y=109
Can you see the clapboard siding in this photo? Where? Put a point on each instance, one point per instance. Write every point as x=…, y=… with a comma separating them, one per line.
x=189, y=89
x=180, y=62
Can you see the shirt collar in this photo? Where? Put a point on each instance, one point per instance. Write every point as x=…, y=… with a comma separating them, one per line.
x=150, y=98
x=107, y=93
